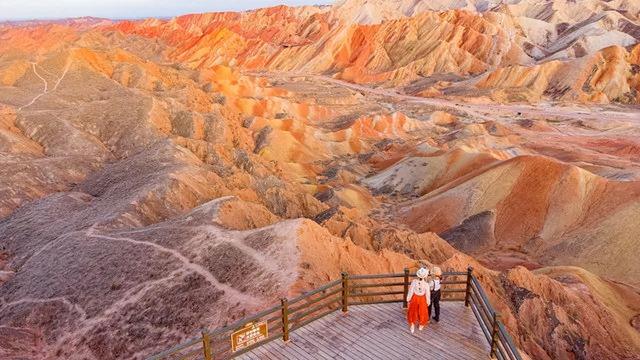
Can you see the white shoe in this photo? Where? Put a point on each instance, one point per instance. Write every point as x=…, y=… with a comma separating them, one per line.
x=412, y=328
x=420, y=327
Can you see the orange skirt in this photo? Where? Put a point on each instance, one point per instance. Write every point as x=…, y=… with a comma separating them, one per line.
x=418, y=310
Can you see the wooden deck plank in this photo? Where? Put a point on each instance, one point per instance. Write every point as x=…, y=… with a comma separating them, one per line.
x=311, y=333
x=420, y=348
x=451, y=332
x=350, y=332
x=392, y=346
x=369, y=342
x=263, y=352
x=300, y=349
x=441, y=345
x=380, y=331
x=362, y=347
x=349, y=343
x=445, y=338
x=317, y=335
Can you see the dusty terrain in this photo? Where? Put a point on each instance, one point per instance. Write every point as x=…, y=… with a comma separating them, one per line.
x=162, y=176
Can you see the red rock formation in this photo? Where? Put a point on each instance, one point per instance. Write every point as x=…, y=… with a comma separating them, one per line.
x=149, y=168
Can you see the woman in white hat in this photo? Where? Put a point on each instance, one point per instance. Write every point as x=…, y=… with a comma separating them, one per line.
x=419, y=299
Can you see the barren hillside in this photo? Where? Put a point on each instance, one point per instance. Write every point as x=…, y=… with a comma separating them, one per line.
x=162, y=176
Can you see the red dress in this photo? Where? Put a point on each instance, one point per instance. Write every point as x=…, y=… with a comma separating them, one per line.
x=418, y=310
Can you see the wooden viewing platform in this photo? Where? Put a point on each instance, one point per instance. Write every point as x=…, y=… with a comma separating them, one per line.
x=361, y=317
x=380, y=331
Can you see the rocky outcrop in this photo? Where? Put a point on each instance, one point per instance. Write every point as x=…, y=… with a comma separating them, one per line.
x=558, y=213
x=475, y=233
x=554, y=297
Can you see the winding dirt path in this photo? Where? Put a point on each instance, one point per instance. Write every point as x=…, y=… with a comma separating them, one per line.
x=45, y=90
x=189, y=265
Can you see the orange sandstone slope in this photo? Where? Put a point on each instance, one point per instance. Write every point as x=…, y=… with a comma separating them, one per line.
x=139, y=163
x=525, y=51
x=157, y=191
x=556, y=213
x=161, y=172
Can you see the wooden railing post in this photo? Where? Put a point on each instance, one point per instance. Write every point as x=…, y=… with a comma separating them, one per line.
x=206, y=346
x=494, y=335
x=285, y=319
x=467, y=295
x=345, y=292
x=405, y=290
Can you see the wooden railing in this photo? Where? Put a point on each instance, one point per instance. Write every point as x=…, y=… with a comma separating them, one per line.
x=349, y=290
x=502, y=345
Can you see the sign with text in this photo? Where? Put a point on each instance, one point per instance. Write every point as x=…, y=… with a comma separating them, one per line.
x=249, y=335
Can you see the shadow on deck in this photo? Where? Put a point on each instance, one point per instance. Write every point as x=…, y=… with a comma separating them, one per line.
x=380, y=331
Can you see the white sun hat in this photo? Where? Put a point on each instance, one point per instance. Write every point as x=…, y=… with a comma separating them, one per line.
x=437, y=271
x=422, y=273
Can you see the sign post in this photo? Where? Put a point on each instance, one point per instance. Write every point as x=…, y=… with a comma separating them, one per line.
x=248, y=335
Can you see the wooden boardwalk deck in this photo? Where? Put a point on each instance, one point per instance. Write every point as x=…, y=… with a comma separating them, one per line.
x=380, y=331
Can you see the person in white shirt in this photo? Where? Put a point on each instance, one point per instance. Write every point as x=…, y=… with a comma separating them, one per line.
x=434, y=286
x=419, y=298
